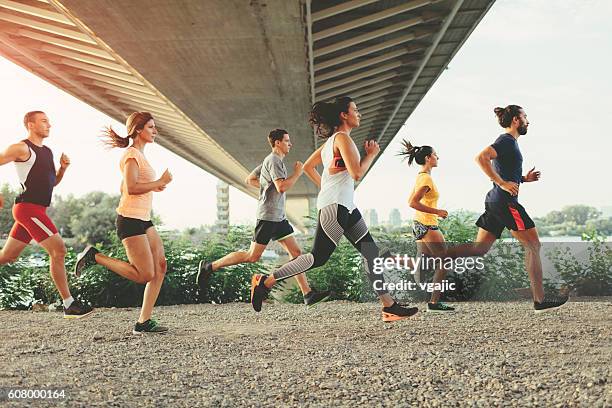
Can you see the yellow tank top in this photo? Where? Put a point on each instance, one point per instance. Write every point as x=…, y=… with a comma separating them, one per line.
x=136, y=205
x=430, y=199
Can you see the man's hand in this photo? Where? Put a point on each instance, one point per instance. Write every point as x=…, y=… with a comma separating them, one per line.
x=371, y=147
x=510, y=187
x=298, y=167
x=532, y=175
x=64, y=161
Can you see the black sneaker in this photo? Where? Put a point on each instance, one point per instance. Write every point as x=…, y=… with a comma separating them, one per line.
x=203, y=276
x=550, y=303
x=85, y=259
x=259, y=292
x=77, y=310
x=397, y=312
x=150, y=326
x=314, y=297
x=439, y=307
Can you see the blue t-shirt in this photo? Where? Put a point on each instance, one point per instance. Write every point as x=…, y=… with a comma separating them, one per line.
x=509, y=166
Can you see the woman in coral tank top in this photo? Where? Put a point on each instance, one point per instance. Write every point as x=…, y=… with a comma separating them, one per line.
x=143, y=246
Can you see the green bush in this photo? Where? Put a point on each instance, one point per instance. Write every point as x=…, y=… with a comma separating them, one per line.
x=342, y=274
x=21, y=290
x=503, y=272
x=27, y=281
x=591, y=277
x=22, y=284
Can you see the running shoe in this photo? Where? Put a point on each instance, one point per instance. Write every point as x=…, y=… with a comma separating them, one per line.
x=259, y=292
x=149, y=327
x=85, y=259
x=203, y=276
x=550, y=303
x=313, y=297
x=77, y=310
x=397, y=312
x=439, y=307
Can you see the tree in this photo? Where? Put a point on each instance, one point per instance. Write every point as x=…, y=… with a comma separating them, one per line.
x=601, y=225
x=96, y=218
x=580, y=214
x=63, y=211
x=554, y=217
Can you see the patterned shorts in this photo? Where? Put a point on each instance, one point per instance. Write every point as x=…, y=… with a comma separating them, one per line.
x=419, y=230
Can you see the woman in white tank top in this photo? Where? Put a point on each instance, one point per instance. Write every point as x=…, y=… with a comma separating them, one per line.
x=338, y=216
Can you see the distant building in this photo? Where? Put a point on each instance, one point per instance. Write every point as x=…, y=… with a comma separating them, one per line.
x=371, y=217
x=395, y=218
x=222, y=223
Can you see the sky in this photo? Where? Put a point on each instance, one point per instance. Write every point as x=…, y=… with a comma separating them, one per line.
x=547, y=56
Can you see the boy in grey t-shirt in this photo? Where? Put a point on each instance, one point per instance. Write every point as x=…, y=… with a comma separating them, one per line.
x=271, y=178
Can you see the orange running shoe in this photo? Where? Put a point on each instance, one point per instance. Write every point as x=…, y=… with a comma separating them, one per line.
x=397, y=312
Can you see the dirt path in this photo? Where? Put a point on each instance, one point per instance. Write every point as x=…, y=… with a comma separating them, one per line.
x=339, y=354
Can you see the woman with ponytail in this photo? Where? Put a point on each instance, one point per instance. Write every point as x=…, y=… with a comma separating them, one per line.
x=424, y=199
x=142, y=243
x=338, y=216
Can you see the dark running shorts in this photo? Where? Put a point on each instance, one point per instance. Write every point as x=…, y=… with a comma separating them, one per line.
x=498, y=216
x=420, y=230
x=130, y=227
x=267, y=230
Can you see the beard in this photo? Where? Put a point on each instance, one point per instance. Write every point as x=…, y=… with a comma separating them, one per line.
x=522, y=130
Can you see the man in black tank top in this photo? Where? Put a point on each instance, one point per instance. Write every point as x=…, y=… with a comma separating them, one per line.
x=38, y=177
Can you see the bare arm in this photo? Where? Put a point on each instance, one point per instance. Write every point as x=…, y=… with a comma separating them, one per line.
x=484, y=161
x=253, y=177
x=283, y=185
x=252, y=181
x=130, y=176
x=64, y=163
x=18, y=151
x=15, y=152
x=415, y=202
x=348, y=150
x=310, y=166
x=59, y=175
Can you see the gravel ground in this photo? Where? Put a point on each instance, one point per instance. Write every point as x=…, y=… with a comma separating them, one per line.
x=338, y=354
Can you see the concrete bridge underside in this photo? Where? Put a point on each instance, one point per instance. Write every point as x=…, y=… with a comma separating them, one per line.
x=219, y=75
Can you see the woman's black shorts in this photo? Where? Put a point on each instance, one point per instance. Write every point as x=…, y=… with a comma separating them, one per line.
x=130, y=227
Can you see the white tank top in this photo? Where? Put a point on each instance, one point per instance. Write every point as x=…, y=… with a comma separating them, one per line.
x=336, y=188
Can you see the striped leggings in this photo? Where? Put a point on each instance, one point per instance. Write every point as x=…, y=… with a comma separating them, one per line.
x=335, y=221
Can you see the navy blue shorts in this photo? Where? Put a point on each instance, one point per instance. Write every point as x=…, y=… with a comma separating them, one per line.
x=500, y=215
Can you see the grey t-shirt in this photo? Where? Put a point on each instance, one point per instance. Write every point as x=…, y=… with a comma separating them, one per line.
x=271, y=205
